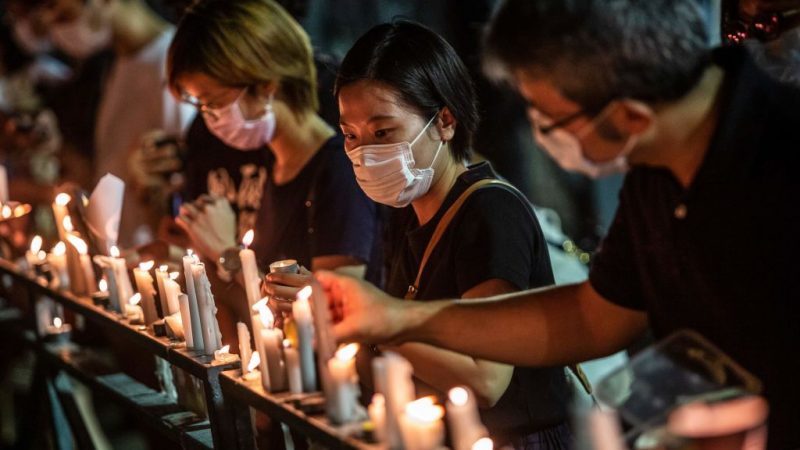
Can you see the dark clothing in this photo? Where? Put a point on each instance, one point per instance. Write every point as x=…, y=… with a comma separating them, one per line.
x=721, y=256
x=322, y=211
x=494, y=235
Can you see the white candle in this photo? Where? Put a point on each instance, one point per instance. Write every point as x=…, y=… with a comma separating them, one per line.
x=207, y=309
x=304, y=322
x=3, y=185
x=224, y=355
x=463, y=419
x=172, y=290
x=251, y=372
x=144, y=284
x=86, y=262
x=422, y=425
x=342, y=399
x=486, y=443
x=197, y=329
x=124, y=288
x=60, y=211
x=271, y=353
x=186, y=319
x=44, y=314
x=58, y=264
x=244, y=345
x=134, y=310
x=174, y=326
x=32, y=255
x=252, y=282
x=393, y=376
x=161, y=274
x=293, y=373
x=377, y=415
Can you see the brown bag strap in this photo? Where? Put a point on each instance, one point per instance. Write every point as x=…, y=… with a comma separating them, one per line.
x=441, y=227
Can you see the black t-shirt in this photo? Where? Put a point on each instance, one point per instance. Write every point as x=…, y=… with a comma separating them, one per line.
x=322, y=211
x=721, y=257
x=494, y=235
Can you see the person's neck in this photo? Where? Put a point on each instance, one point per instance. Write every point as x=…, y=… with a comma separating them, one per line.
x=687, y=128
x=135, y=27
x=426, y=206
x=296, y=141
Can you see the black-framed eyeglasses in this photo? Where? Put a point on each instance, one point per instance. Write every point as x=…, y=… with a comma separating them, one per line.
x=197, y=103
x=561, y=123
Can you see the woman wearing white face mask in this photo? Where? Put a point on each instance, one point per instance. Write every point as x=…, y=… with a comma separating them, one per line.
x=261, y=148
x=408, y=114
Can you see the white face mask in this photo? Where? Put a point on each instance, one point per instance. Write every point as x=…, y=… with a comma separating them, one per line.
x=232, y=128
x=79, y=38
x=388, y=174
x=567, y=150
x=27, y=39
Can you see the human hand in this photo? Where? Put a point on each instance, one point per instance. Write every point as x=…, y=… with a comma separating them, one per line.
x=362, y=312
x=211, y=225
x=283, y=287
x=155, y=160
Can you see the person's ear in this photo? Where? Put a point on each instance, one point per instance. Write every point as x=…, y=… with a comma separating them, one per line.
x=446, y=124
x=265, y=90
x=632, y=116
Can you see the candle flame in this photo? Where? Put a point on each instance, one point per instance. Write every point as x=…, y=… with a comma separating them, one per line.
x=287, y=343
x=257, y=306
x=6, y=211
x=483, y=443
x=347, y=352
x=424, y=410
x=60, y=248
x=67, y=222
x=41, y=255
x=78, y=243
x=85, y=200
x=225, y=349
x=163, y=268
x=137, y=297
x=267, y=318
x=189, y=252
x=459, y=396
x=57, y=322
x=147, y=265
x=103, y=285
x=114, y=251
x=379, y=400
x=304, y=293
x=62, y=199
x=255, y=360
x=174, y=275
x=20, y=211
x=248, y=238
x=36, y=244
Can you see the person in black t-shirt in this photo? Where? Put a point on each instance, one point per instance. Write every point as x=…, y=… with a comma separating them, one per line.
x=249, y=69
x=705, y=237
x=408, y=114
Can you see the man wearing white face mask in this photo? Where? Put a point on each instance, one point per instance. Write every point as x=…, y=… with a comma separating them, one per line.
x=705, y=236
x=134, y=97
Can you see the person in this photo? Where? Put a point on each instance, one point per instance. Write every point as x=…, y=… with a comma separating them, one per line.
x=408, y=114
x=133, y=98
x=704, y=237
x=248, y=68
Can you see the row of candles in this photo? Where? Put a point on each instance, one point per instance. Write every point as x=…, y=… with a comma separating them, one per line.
x=281, y=364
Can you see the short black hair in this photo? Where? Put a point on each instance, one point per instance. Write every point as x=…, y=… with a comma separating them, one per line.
x=597, y=50
x=424, y=69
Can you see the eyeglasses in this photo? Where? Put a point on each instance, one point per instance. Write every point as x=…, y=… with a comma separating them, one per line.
x=561, y=123
x=204, y=108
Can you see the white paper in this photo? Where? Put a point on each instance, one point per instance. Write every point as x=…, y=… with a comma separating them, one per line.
x=105, y=209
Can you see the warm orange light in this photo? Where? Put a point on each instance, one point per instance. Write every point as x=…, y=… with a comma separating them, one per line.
x=347, y=352
x=137, y=297
x=6, y=211
x=459, y=396
x=147, y=265
x=103, y=285
x=57, y=322
x=248, y=238
x=78, y=243
x=484, y=443
x=114, y=251
x=174, y=275
x=60, y=249
x=62, y=199
x=67, y=222
x=424, y=410
x=36, y=244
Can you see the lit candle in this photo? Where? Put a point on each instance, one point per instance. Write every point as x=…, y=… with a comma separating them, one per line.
x=32, y=255
x=252, y=372
x=144, y=284
x=393, y=377
x=186, y=319
x=244, y=345
x=134, y=310
x=60, y=211
x=377, y=415
x=463, y=419
x=194, y=311
x=58, y=264
x=205, y=301
x=59, y=331
x=252, y=282
x=3, y=185
x=422, y=425
x=293, y=373
x=161, y=274
x=342, y=398
x=172, y=290
x=301, y=313
x=486, y=443
x=86, y=263
x=124, y=288
x=272, y=354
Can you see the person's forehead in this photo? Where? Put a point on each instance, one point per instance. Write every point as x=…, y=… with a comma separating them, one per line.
x=373, y=97
x=541, y=92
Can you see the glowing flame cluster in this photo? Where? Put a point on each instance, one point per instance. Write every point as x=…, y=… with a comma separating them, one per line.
x=424, y=410
x=247, y=239
x=347, y=352
x=78, y=243
x=147, y=265
x=60, y=249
